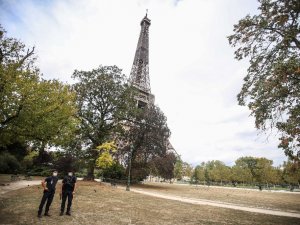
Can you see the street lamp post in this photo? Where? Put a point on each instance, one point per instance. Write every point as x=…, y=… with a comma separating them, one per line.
x=129, y=168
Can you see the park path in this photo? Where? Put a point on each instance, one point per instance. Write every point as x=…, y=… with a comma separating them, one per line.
x=17, y=185
x=196, y=201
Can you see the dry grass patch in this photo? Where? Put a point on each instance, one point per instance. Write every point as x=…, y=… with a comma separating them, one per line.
x=289, y=202
x=100, y=204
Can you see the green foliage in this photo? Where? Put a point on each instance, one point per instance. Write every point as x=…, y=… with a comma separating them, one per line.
x=103, y=98
x=178, y=169
x=241, y=172
x=198, y=174
x=32, y=109
x=148, y=135
x=8, y=163
x=40, y=170
x=271, y=87
x=115, y=171
x=105, y=101
x=164, y=165
x=247, y=170
x=187, y=169
x=28, y=160
x=260, y=170
x=218, y=171
x=64, y=162
x=291, y=172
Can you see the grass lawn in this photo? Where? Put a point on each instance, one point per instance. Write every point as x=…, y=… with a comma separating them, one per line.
x=261, y=199
x=100, y=204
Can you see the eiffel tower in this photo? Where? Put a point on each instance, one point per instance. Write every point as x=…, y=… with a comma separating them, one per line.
x=139, y=76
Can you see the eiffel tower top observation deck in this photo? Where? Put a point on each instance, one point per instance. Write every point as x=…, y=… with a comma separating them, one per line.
x=139, y=76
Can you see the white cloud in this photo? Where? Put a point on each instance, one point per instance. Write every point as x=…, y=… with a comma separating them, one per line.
x=192, y=70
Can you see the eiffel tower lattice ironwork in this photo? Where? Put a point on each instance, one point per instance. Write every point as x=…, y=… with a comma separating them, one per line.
x=139, y=76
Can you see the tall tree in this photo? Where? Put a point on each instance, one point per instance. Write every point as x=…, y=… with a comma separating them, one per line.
x=32, y=110
x=291, y=173
x=164, y=165
x=187, y=169
x=178, y=169
x=147, y=140
x=198, y=174
x=271, y=89
x=241, y=172
x=105, y=101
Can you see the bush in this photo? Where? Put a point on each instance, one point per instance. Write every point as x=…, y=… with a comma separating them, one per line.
x=9, y=163
x=81, y=173
x=116, y=171
x=43, y=171
x=27, y=162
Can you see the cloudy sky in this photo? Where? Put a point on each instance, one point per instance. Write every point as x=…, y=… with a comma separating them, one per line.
x=193, y=73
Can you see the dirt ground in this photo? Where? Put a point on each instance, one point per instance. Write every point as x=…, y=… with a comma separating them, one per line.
x=101, y=204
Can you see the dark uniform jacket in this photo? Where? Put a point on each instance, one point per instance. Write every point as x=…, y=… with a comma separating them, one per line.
x=51, y=183
x=69, y=183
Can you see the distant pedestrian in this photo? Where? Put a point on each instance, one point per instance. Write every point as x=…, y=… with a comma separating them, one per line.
x=49, y=190
x=67, y=191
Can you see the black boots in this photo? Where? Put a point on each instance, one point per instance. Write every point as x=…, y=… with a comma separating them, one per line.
x=67, y=213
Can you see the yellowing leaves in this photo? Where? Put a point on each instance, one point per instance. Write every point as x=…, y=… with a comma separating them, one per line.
x=105, y=159
x=107, y=146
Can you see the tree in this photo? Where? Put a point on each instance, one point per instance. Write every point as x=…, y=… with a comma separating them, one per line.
x=187, y=169
x=259, y=168
x=241, y=172
x=164, y=165
x=275, y=176
x=178, y=169
x=105, y=101
x=147, y=138
x=271, y=87
x=8, y=163
x=218, y=171
x=198, y=174
x=291, y=173
x=105, y=159
x=32, y=110
x=263, y=171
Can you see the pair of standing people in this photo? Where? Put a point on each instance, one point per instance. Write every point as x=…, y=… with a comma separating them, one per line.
x=67, y=192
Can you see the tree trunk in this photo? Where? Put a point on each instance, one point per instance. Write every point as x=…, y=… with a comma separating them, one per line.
x=90, y=174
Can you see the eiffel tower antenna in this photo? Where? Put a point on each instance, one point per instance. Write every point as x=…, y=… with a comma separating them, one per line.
x=139, y=76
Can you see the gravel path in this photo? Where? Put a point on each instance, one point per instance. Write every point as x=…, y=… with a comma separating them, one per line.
x=17, y=185
x=216, y=204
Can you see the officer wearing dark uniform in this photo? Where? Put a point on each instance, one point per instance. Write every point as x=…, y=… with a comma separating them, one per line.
x=67, y=191
x=49, y=191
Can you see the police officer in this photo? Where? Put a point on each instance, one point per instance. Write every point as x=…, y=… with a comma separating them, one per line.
x=49, y=190
x=67, y=191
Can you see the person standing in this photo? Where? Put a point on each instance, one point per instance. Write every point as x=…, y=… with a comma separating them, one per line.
x=49, y=190
x=67, y=191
